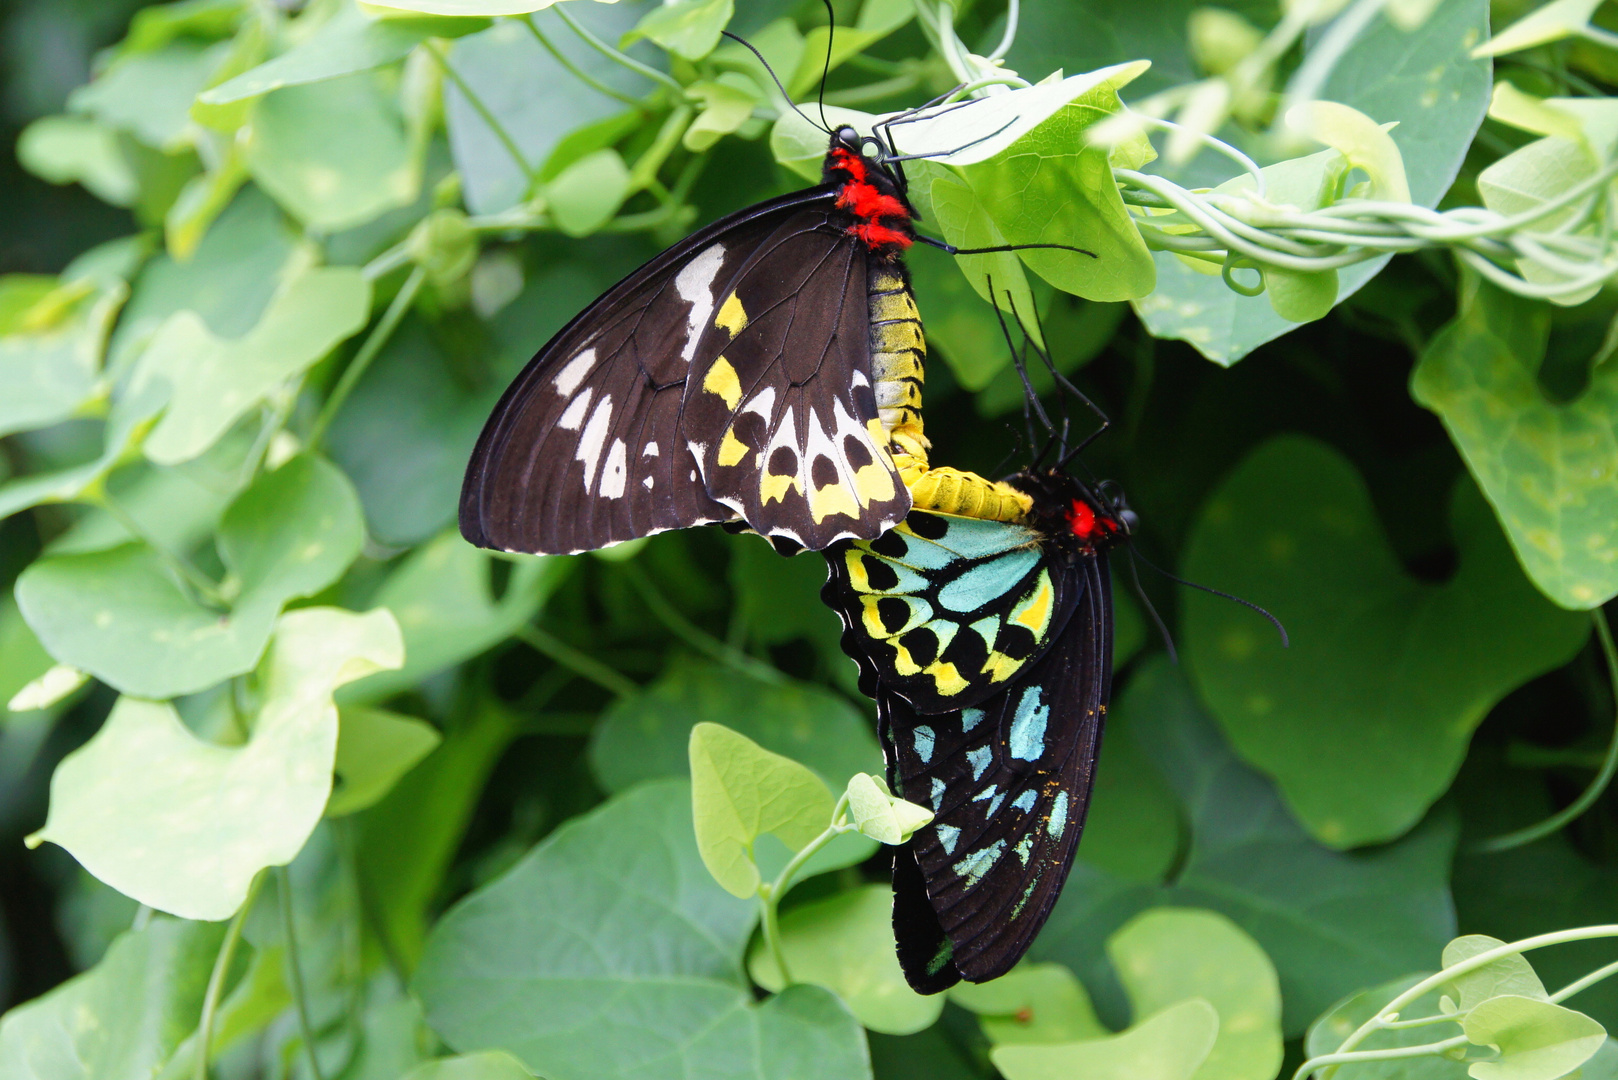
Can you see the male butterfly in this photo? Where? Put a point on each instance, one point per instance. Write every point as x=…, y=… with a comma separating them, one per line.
x=986, y=640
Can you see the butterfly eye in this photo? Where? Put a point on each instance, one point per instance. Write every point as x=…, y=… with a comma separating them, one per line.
x=872, y=148
x=1128, y=519
x=848, y=136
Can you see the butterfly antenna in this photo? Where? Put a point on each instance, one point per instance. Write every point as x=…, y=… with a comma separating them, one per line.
x=1286, y=642
x=1146, y=602
x=825, y=71
x=744, y=43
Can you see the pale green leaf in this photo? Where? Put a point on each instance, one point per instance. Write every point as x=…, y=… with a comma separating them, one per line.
x=488, y=8
x=121, y=615
x=213, y=381
x=68, y=149
x=879, y=814
x=149, y=94
x=801, y=146
x=1362, y=141
x=1511, y=974
x=588, y=192
x=1170, y=1045
x=1168, y=955
x=688, y=28
x=488, y=1065
x=374, y=749
x=333, y=153
x=726, y=106
x=184, y=825
x=57, y=683
x=845, y=943
x=1552, y=22
x=50, y=356
x=23, y=660
x=1031, y=1003
x=1300, y=297
x=740, y=792
x=1344, y=1018
x=1536, y=1039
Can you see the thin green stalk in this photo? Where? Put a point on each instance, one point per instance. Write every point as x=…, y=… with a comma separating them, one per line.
x=386, y=263
x=886, y=88
x=373, y=344
x=617, y=57
x=644, y=172
x=770, y=893
x=1604, y=972
x=484, y=112
x=221, y=969
x=577, y=662
x=283, y=886
x=577, y=72
x=1432, y=1049
x=1609, y=765
x=206, y=589
x=694, y=635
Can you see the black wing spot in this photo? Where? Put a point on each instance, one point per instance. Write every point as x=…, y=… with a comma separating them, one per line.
x=823, y=473
x=922, y=645
x=783, y=462
x=880, y=575
x=891, y=544
x=969, y=653
x=1017, y=642
x=893, y=613
x=927, y=526
x=857, y=453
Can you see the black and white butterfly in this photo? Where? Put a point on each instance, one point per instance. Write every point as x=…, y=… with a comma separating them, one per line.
x=757, y=371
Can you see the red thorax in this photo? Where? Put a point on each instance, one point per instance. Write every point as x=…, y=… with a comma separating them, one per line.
x=1086, y=525
x=865, y=201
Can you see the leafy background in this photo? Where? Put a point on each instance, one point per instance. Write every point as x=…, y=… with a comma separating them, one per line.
x=248, y=335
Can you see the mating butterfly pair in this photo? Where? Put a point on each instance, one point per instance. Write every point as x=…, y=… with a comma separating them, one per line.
x=768, y=371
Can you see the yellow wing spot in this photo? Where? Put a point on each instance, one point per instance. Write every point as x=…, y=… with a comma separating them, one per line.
x=832, y=499
x=999, y=667
x=947, y=677
x=874, y=482
x=721, y=379
x=1035, y=611
x=731, y=449
x=731, y=316
x=773, y=487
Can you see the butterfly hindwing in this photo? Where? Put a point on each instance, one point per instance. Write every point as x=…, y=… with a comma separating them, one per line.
x=608, y=434
x=945, y=611
x=1009, y=782
x=782, y=420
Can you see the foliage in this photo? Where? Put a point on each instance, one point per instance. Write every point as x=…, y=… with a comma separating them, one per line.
x=316, y=789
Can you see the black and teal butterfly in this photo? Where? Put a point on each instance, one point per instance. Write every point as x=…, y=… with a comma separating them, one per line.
x=758, y=370
x=988, y=648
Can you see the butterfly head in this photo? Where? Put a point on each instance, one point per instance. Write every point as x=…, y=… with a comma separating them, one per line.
x=1074, y=514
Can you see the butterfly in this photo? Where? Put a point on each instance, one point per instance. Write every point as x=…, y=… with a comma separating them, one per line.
x=768, y=368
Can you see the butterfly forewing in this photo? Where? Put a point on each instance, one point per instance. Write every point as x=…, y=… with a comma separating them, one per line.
x=783, y=420
x=610, y=434
x=1010, y=785
x=945, y=611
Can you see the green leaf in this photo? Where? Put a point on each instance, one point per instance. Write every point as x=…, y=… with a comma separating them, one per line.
x=588, y=192
x=183, y=825
x=801, y=147
x=740, y=792
x=608, y=952
x=350, y=41
x=1327, y=1033
x=727, y=104
x=121, y=615
x=333, y=153
x=1032, y=1003
x=877, y=813
x=50, y=356
x=374, y=749
x=23, y=660
x=649, y=735
x=1510, y=974
x=489, y=1065
x=1365, y=719
x=845, y=943
x=532, y=96
x=442, y=595
x=1170, y=1045
x=213, y=381
x=1133, y=828
x=1550, y=22
x=1039, y=181
x=1536, y=1039
x=149, y=94
x=123, y=1017
x=69, y=149
x=1423, y=79
x=688, y=28
x=1168, y=955
x=461, y=8
x=1377, y=914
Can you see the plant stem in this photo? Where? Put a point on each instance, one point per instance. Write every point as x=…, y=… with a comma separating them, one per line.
x=207, y=591
x=283, y=886
x=577, y=72
x=644, y=172
x=577, y=662
x=770, y=893
x=1600, y=973
x=484, y=112
x=362, y=359
x=1609, y=765
x=221, y=968
x=693, y=635
x=617, y=57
